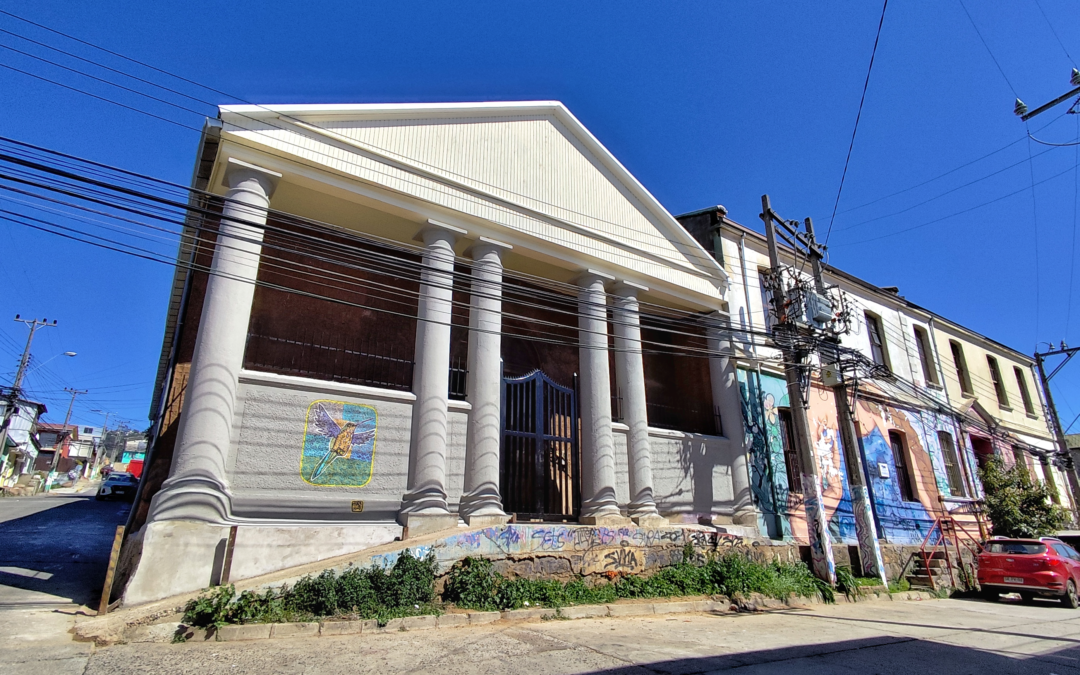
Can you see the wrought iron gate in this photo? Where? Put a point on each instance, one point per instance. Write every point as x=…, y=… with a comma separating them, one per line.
x=540, y=467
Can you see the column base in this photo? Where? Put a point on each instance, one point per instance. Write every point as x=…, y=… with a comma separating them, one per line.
x=650, y=520
x=486, y=519
x=748, y=518
x=605, y=520
x=418, y=524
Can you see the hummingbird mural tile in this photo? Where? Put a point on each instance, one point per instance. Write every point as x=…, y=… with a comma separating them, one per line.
x=339, y=444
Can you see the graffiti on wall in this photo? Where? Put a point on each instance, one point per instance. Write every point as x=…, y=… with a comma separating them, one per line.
x=339, y=444
x=761, y=398
x=899, y=520
x=590, y=550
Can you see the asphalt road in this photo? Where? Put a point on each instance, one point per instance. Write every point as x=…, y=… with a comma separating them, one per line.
x=54, y=549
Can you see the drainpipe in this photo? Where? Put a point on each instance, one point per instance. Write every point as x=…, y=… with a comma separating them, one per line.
x=748, y=318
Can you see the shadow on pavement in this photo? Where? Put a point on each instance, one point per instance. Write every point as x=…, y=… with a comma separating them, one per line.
x=60, y=548
x=879, y=655
x=1065, y=614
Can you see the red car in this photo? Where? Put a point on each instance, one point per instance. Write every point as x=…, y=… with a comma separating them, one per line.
x=1043, y=567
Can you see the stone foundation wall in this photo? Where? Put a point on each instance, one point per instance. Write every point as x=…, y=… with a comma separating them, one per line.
x=563, y=551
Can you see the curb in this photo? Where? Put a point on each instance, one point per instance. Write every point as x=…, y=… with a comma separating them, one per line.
x=720, y=605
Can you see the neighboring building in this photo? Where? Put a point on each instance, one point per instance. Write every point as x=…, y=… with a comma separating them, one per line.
x=58, y=438
x=331, y=419
x=21, y=447
x=940, y=400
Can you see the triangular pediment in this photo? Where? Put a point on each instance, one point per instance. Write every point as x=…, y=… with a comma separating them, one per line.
x=531, y=167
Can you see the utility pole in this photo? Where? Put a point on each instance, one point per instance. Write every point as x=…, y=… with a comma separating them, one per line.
x=796, y=353
x=1070, y=466
x=1021, y=110
x=870, y=558
x=104, y=431
x=67, y=418
x=15, y=393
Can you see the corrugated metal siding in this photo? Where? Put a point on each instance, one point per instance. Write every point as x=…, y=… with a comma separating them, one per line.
x=531, y=162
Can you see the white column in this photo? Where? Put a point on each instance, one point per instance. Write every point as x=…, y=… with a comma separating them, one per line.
x=728, y=401
x=630, y=376
x=197, y=486
x=598, y=503
x=423, y=507
x=481, y=504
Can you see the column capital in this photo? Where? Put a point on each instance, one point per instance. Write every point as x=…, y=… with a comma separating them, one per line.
x=485, y=245
x=237, y=173
x=628, y=289
x=590, y=276
x=434, y=230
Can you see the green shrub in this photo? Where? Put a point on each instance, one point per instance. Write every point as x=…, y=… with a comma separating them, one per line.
x=411, y=581
x=1017, y=505
x=847, y=582
x=473, y=584
x=406, y=589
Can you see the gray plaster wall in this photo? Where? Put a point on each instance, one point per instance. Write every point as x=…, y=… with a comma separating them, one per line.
x=268, y=439
x=691, y=473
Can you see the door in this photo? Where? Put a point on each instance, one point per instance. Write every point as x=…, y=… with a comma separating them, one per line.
x=540, y=476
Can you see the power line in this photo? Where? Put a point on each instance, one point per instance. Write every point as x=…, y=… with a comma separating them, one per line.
x=1035, y=224
x=953, y=215
x=1054, y=31
x=690, y=254
x=983, y=40
x=314, y=226
x=939, y=196
x=1072, y=246
x=858, y=116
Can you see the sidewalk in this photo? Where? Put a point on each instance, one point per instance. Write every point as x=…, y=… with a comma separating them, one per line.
x=941, y=636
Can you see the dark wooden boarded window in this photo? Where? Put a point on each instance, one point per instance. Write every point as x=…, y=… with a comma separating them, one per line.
x=1025, y=395
x=952, y=464
x=678, y=389
x=903, y=466
x=539, y=332
x=999, y=384
x=321, y=311
x=961, y=367
x=791, y=453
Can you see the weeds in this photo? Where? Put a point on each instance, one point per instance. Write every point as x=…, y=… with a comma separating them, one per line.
x=407, y=589
x=473, y=584
x=847, y=583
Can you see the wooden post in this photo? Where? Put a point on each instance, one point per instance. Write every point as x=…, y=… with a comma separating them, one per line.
x=106, y=593
x=226, y=564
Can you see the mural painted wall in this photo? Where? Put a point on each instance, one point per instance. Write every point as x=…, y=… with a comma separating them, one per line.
x=339, y=444
x=899, y=520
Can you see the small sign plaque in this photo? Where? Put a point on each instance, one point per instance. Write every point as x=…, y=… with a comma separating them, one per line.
x=882, y=471
x=357, y=506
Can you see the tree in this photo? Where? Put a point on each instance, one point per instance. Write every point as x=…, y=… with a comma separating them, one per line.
x=1017, y=505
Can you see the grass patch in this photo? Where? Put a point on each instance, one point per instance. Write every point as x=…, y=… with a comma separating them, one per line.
x=899, y=586
x=406, y=589
x=474, y=584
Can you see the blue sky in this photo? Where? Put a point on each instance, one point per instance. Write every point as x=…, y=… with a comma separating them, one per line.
x=704, y=102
